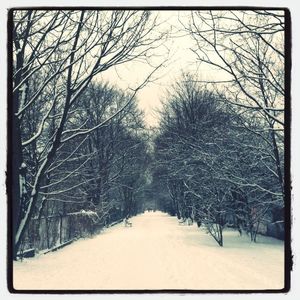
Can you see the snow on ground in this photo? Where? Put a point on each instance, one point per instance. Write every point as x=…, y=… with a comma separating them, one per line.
x=156, y=253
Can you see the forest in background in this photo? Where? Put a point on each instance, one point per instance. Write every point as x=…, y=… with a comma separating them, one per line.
x=82, y=157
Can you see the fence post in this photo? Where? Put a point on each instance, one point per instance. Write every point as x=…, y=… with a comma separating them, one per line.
x=47, y=231
x=60, y=229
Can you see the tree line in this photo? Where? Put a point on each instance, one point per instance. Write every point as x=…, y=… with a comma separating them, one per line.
x=220, y=145
x=79, y=144
x=76, y=141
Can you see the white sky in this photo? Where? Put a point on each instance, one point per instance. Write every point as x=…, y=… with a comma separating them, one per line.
x=180, y=59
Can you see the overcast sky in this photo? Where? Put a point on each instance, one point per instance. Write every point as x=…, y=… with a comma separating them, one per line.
x=180, y=59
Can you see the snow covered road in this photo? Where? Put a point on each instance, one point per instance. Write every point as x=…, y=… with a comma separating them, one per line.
x=156, y=253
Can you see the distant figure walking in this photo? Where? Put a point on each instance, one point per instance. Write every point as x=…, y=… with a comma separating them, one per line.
x=127, y=223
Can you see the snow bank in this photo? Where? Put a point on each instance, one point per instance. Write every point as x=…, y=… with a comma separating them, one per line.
x=88, y=213
x=157, y=253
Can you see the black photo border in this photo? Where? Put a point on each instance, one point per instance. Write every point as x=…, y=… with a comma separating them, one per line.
x=288, y=262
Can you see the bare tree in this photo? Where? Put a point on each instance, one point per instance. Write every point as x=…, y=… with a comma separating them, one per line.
x=248, y=47
x=208, y=159
x=64, y=50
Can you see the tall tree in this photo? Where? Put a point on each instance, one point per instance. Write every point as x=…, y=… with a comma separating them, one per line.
x=248, y=48
x=211, y=163
x=63, y=51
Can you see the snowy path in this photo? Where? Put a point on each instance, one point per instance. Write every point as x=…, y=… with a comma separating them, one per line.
x=156, y=253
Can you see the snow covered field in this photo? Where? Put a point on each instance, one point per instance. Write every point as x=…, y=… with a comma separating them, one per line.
x=156, y=253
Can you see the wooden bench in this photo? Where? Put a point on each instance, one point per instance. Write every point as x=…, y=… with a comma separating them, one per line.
x=127, y=223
